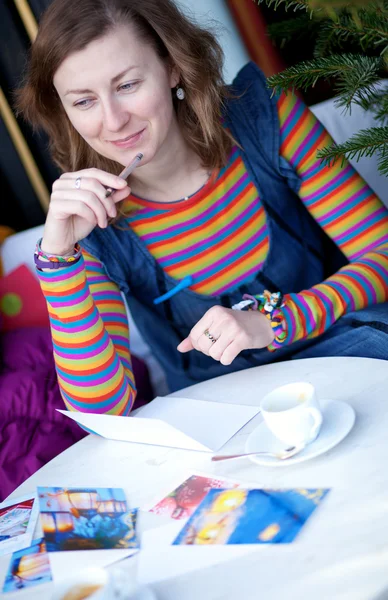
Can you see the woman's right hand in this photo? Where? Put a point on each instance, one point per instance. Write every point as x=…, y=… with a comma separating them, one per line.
x=73, y=213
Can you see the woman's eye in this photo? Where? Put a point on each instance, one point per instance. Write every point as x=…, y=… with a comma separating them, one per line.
x=83, y=103
x=128, y=86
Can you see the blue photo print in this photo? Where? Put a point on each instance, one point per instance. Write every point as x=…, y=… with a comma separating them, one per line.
x=28, y=567
x=240, y=516
x=86, y=519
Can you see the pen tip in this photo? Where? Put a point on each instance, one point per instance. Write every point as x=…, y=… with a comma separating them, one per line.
x=140, y=155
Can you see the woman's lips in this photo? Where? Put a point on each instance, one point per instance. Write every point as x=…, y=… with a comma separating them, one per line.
x=130, y=141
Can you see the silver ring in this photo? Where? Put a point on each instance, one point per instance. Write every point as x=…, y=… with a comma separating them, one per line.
x=210, y=336
x=78, y=183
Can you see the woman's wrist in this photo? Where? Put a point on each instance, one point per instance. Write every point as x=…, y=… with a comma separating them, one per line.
x=267, y=332
x=51, y=250
x=270, y=305
x=44, y=260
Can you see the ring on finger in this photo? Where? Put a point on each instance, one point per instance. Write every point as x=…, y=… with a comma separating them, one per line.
x=210, y=336
x=78, y=183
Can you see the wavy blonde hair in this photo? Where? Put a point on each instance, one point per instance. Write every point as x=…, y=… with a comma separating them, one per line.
x=70, y=25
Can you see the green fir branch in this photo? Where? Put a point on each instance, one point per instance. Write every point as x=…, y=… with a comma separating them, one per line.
x=324, y=7
x=379, y=106
x=382, y=164
x=375, y=100
x=371, y=32
x=366, y=142
x=362, y=26
x=349, y=67
x=371, y=38
x=356, y=84
x=335, y=5
x=287, y=4
x=326, y=40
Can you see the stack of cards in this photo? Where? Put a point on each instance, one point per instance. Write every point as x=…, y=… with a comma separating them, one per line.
x=85, y=527
x=96, y=521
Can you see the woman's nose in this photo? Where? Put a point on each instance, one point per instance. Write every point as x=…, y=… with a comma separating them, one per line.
x=115, y=116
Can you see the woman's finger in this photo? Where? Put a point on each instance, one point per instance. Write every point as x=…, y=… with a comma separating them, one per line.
x=83, y=196
x=106, y=179
x=230, y=353
x=205, y=323
x=218, y=348
x=185, y=345
x=92, y=185
x=206, y=342
x=120, y=195
x=74, y=208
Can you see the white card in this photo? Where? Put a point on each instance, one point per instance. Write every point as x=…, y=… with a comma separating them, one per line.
x=158, y=560
x=65, y=563
x=18, y=518
x=174, y=422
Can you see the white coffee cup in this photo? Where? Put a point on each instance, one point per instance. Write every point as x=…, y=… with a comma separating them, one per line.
x=292, y=413
x=95, y=583
x=83, y=584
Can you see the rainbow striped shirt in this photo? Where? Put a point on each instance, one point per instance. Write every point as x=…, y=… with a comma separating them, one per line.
x=220, y=237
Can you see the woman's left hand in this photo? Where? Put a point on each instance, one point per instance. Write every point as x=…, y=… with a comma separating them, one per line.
x=223, y=333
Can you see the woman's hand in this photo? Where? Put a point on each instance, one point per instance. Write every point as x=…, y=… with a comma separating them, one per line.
x=233, y=331
x=75, y=211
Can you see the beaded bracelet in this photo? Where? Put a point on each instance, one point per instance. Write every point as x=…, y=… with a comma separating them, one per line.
x=43, y=260
x=270, y=305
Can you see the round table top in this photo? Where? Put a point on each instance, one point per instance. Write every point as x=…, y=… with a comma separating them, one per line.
x=341, y=553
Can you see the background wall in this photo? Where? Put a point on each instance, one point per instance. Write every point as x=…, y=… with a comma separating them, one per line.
x=206, y=11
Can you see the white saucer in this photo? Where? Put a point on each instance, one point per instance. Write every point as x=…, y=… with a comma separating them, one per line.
x=338, y=420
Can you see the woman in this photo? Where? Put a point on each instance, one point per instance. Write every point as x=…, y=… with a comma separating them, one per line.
x=228, y=200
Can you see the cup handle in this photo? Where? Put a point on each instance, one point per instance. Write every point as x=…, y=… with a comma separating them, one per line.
x=317, y=416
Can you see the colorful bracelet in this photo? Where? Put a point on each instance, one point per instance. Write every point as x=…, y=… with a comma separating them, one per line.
x=270, y=305
x=43, y=260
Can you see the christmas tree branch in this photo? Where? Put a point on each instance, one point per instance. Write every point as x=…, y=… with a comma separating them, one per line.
x=356, y=84
x=350, y=68
x=378, y=103
x=363, y=143
x=287, y=4
x=361, y=25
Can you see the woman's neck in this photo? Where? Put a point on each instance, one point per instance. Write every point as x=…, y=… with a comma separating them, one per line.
x=171, y=175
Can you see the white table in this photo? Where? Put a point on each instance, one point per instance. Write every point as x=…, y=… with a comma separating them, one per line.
x=342, y=553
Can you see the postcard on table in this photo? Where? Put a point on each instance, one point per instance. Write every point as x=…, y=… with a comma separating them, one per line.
x=86, y=527
x=250, y=516
x=28, y=568
x=174, y=422
x=18, y=518
x=181, y=501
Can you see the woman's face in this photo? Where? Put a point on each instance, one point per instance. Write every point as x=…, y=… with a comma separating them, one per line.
x=117, y=94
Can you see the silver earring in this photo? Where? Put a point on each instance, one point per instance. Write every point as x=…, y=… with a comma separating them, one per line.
x=180, y=93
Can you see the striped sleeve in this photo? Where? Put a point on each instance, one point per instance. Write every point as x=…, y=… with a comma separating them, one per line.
x=90, y=337
x=351, y=215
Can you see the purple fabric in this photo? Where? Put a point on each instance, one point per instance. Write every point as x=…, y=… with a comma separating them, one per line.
x=32, y=432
